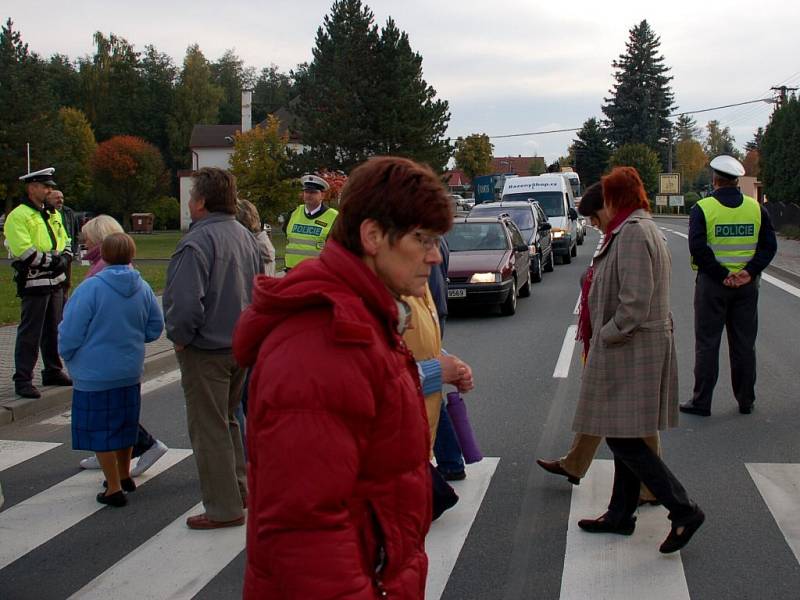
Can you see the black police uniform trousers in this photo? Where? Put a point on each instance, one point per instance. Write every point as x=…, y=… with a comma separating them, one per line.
x=38, y=328
x=735, y=309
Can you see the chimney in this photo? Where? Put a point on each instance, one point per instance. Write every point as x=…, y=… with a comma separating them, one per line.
x=247, y=110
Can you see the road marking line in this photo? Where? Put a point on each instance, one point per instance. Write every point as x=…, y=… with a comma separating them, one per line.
x=565, y=357
x=13, y=452
x=779, y=485
x=613, y=566
x=34, y=521
x=151, y=385
x=448, y=533
x=577, y=308
x=177, y=562
x=781, y=284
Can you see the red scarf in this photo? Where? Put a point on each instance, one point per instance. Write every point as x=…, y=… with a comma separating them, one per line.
x=584, y=319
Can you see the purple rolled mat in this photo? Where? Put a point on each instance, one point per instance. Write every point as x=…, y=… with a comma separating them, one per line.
x=458, y=415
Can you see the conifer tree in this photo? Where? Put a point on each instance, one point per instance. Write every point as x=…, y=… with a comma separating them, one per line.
x=641, y=98
x=780, y=154
x=591, y=152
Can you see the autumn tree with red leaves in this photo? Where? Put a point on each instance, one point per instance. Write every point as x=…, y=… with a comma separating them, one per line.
x=129, y=173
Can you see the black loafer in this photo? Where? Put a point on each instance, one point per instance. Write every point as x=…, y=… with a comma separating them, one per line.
x=57, y=378
x=746, y=410
x=694, y=410
x=27, y=390
x=554, y=467
x=675, y=541
x=116, y=499
x=128, y=485
x=605, y=525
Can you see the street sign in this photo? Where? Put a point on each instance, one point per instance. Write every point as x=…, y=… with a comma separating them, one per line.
x=669, y=183
x=662, y=200
x=676, y=200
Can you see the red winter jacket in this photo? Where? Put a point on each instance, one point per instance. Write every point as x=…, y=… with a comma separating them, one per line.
x=337, y=438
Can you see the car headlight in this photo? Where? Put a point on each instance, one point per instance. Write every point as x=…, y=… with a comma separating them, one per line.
x=485, y=278
x=557, y=233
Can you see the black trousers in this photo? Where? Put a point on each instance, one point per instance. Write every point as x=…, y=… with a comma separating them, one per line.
x=38, y=328
x=144, y=441
x=635, y=463
x=735, y=309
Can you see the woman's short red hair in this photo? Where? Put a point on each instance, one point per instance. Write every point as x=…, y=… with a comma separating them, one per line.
x=623, y=190
x=398, y=193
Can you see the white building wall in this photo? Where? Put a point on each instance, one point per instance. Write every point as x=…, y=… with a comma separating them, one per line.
x=185, y=189
x=214, y=157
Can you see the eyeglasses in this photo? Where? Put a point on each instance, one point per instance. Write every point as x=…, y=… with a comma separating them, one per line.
x=428, y=242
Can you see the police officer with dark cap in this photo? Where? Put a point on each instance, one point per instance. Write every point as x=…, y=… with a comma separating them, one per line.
x=309, y=224
x=731, y=240
x=40, y=247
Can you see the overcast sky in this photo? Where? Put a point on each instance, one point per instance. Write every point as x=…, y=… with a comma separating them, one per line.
x=505, y=66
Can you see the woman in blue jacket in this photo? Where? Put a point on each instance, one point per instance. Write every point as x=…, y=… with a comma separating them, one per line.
x=107, y=322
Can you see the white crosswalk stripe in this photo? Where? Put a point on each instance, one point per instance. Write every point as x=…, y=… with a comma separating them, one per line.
x=177, y=562
x=31, y=523
x=14, y=452
x=613, y=567
x=779, y=485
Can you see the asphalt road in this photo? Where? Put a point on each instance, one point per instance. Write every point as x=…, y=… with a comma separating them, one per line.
x=516, y=547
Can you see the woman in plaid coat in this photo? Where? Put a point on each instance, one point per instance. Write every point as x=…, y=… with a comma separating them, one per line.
x=630, y=382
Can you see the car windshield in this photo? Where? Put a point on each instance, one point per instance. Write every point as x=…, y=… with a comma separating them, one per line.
x=551, y=202
x=522, y=215
x=464, y=237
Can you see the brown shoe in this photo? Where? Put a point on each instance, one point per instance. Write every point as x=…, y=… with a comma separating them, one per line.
x=203, y=522
x=554, y=466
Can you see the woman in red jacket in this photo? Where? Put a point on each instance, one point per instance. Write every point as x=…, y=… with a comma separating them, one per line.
x=337, y=434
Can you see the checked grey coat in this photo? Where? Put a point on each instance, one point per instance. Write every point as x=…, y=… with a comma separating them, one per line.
x=630, y=380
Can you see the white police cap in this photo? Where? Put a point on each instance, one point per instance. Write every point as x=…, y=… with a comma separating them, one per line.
x=44, y=176
x=727, y=166
x=314, y=183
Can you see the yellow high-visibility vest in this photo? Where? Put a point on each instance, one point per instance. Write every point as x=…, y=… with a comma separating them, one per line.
x=731, y=233
x=305, y=237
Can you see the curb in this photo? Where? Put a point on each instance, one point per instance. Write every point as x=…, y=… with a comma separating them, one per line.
x=784, y=273
x=16, y=408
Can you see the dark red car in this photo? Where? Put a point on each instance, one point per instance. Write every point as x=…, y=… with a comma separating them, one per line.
x=489, y=263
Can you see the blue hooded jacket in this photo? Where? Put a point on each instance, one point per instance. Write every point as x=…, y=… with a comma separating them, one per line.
x=107, y=322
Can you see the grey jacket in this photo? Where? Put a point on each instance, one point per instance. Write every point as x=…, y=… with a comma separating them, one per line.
x=209, y=282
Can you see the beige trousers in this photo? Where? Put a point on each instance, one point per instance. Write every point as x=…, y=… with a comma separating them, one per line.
x=584, y=447
x=212, y=384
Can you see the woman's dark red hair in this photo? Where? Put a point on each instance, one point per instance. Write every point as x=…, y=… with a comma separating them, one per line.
x=623, y=190
x=398, y=193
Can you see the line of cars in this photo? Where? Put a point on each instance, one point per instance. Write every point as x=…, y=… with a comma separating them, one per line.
x=499, y=249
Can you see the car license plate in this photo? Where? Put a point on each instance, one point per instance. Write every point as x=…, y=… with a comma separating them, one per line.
x=457, y=293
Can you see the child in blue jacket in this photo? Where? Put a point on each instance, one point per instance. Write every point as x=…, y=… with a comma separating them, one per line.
x=107, y=322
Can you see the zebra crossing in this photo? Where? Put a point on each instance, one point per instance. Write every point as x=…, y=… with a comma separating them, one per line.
x=174, y=562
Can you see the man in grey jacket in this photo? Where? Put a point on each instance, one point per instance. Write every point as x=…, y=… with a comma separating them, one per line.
x=209, y=282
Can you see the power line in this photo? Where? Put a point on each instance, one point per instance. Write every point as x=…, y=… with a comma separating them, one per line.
x=686, y=112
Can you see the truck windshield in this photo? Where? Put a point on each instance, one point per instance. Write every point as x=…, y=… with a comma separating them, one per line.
x=551, y=202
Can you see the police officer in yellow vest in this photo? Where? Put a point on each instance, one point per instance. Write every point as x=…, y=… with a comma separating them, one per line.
x=731, y=240
x=40, y=247
x=309, y=224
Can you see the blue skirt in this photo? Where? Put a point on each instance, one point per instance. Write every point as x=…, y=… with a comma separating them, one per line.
x=107, y=420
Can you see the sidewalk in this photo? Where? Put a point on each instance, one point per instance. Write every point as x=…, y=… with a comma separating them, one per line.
x=158, y=354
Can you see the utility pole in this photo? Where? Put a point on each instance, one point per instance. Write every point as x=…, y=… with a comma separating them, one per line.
x=781, y=92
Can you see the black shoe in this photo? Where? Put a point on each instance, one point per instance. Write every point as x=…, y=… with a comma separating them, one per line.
x=454, y=475
x=56, y=378
x=554, y=466
x=675, y=542
x=746, y=410
x=27, y=390
x=604, y=525
x=695, y=410
x=116, y=499
x=129, y=485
